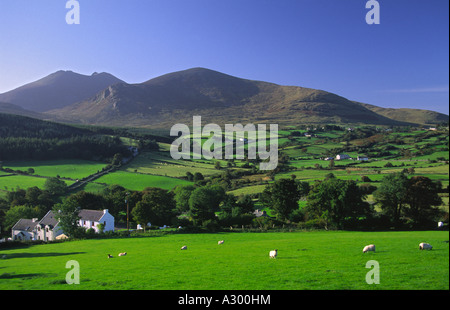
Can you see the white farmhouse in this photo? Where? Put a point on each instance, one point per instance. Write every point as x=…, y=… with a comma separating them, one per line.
x=48, y=227
x=91, y=218
x=23, y=229
x=342, y=157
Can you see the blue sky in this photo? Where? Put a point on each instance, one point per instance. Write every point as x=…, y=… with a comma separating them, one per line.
x=323, y=44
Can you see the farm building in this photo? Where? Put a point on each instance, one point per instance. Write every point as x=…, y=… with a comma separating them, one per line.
x=23, y=229
x=259, y=213
x=342, y=157
x=362, y=158
x=48, y=229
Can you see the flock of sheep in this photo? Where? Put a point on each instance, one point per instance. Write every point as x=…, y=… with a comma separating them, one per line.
x=274, y=253
x=422, y=246
x=120, y=254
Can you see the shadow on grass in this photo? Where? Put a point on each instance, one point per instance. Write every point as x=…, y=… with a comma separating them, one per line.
x=25, y=275
x=30, y=255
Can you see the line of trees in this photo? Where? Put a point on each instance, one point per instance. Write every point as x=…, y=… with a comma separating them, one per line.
x=76, y=147
x=23, y=138
x=405, y=203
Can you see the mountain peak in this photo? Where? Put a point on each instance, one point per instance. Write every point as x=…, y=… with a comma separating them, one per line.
x=58, y=90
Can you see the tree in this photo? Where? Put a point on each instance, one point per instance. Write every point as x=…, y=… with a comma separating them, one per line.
x=198, y=176
x=189, y=176
x=282, y=196
x=335, y=200
x=392, y=195
x=55, y=186
x=182, y=195
x=114, y=197
x=157, y=207
x=67, y=215
x=18, y=212
x=204, y=202
x=246, y=204
x=331, y=164
x=421, y=196
x=90, y=201
x=217, y=165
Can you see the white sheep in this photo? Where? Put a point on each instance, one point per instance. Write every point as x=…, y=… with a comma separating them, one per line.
x=123, y=254
x=220, y=242
x=370, y=247
x=184, y=247
x=425, y=246
x=273, y=254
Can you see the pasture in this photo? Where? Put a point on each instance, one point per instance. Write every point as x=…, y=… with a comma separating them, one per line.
x=71, y=169
x=316, y=260
x=138, y=182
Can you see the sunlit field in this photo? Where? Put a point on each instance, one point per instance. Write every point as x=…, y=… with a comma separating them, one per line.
x=306, y=260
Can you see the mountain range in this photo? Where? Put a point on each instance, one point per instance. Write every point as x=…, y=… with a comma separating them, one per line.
x=58, y=90
x=161, y=102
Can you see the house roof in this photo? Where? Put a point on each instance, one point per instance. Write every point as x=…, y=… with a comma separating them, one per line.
x=90, y=215
x=259, y=213
x=49, y=219
x=25, y=224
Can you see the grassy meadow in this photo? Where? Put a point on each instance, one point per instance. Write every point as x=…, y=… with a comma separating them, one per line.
x=324, y=260
x=138, y=182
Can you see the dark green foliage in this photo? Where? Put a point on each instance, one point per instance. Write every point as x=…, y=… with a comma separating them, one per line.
x=204, y=202
x=26, y=138
x=67, y=214
x=335, y=200
x=157, y=207
x=391, y=195
x=282, y=196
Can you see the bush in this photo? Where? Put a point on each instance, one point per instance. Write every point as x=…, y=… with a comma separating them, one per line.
x=365, y=178
x=211, y=225
x=297, y=216
x=314, y=224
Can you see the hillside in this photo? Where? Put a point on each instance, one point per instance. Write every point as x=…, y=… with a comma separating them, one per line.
x=9, y=108
x=174, y=98
x=24, y=138
x=58, y=90
x=418, y=116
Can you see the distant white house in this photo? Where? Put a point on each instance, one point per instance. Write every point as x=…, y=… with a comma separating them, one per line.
x=259, y=213
x=342, y=157
x=48, y=227
x=91, y=218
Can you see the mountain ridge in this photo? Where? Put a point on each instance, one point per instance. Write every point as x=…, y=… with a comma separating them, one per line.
x=220, y=98
x=58, y=90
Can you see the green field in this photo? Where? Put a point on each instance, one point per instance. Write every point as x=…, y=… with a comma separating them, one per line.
x=159, y=163
x=138, y=182
x=72, y=169
x=13, y=182
x=306, y=260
